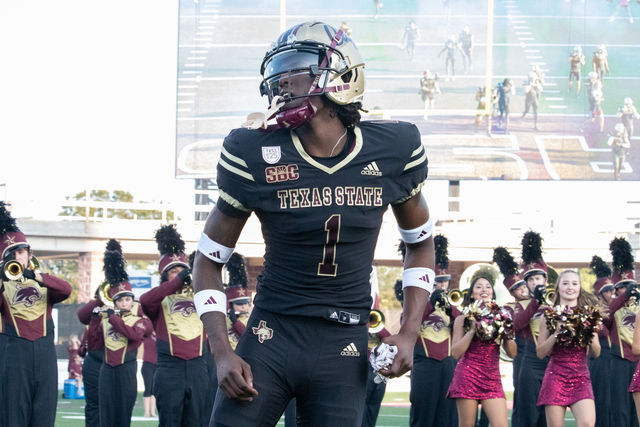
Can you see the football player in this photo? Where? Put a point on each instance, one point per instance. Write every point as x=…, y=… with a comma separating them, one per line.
x=532, y=89
x=626, y=113
x=595, y=96
x=504, y=90
x=319, y=182
x=466, y=43
x=620, y=144
x=451, y=46
x=428, y=89
x=409, y=37
x=600, y=62
x=576, y=61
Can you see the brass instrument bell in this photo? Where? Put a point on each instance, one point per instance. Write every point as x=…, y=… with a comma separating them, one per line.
x=376, y=321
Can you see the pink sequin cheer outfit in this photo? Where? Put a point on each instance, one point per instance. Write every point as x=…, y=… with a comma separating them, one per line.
x=477, y=374
x=566, y=379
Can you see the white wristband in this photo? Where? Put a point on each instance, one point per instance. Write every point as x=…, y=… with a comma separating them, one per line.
x=417, y=234
x=214, y=250
x=210, y=300
x=420, y=277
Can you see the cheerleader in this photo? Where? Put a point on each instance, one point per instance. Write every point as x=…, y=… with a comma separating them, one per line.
x=567, y=382
x=476, y=379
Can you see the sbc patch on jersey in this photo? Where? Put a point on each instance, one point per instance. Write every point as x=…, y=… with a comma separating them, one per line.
x=271, y=154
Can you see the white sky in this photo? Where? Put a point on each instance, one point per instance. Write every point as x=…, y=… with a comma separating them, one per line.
x=87, y=98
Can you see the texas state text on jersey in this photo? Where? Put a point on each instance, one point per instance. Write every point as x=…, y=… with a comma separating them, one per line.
x=320, y=216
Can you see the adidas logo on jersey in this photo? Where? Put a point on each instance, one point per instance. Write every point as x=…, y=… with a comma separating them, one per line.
x=425, y=278
x=350, y=350
x=210, y=301
x=215, y=254
x=334, y=316
x=371, y=169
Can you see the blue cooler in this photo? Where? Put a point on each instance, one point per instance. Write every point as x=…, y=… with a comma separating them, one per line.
x=71, y=389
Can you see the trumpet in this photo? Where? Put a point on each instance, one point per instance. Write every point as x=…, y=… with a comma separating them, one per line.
x=103, y=310
x=13, y=269
x=103, y=295
x=376, y=321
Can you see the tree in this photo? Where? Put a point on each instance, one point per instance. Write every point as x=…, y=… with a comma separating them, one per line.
x=66, y=269
x=116, y=196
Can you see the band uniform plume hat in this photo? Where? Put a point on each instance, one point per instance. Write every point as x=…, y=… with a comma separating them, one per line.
x=441, y=245
x=115, y=273
x=532, y=262
x=602, y=271
x=11, y=237
x=623, y=262
x=171, y=248
x=508, y=267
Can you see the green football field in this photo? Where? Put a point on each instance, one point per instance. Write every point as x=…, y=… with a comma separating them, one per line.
x=222, y=43
x=71, y=412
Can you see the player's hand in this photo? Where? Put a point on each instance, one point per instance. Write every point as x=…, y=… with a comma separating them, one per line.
x=234, y=377
x=403, y=361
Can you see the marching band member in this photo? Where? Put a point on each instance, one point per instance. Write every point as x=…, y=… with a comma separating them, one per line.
x=148, y=371
x=95, y=351
x=622, y=314
x=181, y=384
x=515, y=284
x=527, y=318
x=122, y=332
x=599, y=367
x=29, y=373
x=238, y=297
x=566, y=380
x=375, y=391
x=477, y=341
x=432, y=361
x=634, y=388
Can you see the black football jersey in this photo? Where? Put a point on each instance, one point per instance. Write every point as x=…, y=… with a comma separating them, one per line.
x=320, y=217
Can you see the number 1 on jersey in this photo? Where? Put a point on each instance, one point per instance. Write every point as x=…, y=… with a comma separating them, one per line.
x=328, y=267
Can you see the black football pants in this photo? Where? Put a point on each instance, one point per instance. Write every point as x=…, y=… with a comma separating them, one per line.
x=321, y=363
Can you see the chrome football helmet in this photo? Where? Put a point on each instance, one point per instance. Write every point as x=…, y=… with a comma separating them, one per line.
x=317, y=50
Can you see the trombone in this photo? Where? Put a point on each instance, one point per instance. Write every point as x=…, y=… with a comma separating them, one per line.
x=376, y=321
x=13, y=269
